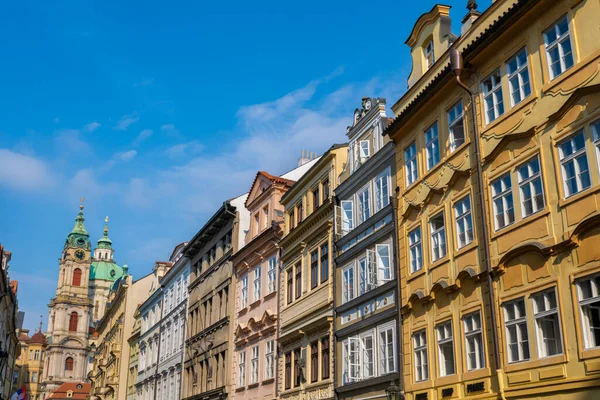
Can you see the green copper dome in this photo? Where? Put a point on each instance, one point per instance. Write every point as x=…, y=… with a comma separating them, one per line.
x=104, y=242
x=79, y=236
x=105, y=270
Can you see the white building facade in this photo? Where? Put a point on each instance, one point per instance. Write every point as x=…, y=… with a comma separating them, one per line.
x=172, y=327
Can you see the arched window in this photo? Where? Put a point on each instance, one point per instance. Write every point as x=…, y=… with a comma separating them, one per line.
x=73, y=322
x=69, y=364
x=77, y=277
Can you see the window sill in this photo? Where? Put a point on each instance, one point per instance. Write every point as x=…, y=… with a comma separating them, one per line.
x=476, y=374
x=515, y=225
x=439, y=262
x=253, y=385
x=509, y=113
x=416, y=274
x=269, y=295
x=268, y=381
x=578, y=196
x=551, y=84
x=242, y=311
x=537, y=363
x=240, y=389
x=254, y=304
x=465, y=249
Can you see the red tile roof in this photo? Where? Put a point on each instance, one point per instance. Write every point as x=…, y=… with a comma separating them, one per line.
x=38, y=338
x=80, y=391
x=272, y=178
x=14, y=286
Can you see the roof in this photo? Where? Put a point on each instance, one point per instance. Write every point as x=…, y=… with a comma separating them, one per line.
x=39, y=337
x=77, y=390
x=105, y=270
x=24, y=337
x=272, y=178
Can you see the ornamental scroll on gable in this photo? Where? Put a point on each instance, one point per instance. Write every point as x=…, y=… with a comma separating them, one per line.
x=367, y=104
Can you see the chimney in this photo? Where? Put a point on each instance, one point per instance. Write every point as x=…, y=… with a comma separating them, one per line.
x=306, y=156
x=472, y=15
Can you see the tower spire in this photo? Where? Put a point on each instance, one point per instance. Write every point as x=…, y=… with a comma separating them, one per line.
x=41, y=322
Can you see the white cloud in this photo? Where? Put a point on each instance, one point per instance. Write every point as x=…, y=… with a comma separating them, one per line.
x=125, y=121
x=125, y=155
x=170, y=129
x=24, y=172
x=68, y=141
x=145, y=134
x=92, y=126
x=184, y=148
x=143, y=82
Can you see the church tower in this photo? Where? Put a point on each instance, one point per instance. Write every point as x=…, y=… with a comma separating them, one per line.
x=70, y=312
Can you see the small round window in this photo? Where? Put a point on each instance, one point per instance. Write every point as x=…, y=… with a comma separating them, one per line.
x=112, y=272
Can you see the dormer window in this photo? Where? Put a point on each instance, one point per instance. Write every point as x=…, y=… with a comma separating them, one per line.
x=429, y=58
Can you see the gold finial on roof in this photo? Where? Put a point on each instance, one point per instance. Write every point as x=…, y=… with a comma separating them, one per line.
x=81, y=205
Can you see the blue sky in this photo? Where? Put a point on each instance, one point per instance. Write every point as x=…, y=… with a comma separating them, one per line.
x=156, y=112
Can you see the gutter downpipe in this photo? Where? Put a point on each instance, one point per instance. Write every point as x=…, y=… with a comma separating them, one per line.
x=456, y=63
x=396, y=250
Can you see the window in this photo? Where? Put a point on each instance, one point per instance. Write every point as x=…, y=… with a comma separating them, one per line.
x=288, y=370
x=429, y=58
x=31, y=354
x=464, y=222
x=36, y=355
x=270, y=359
x=256, y=223
x=416, y=254
x=410, y=163
x=348, y=289
x=456, y=126
x=596, y=133
x=366, y=271
x=359, y=355
x=432, y=146
x=517, y=342
x=558, y=47
x=241, y=369
x=257, y=279
x=314, y=361
x=364, y=204
x=326, y=188
x=438, y=237
x=384, y=269
x=73, y=320
x=502, y=198
x=324, y=262
x=290, y=285
x=69, y=364
x=298, y=280
x=316, y=198
x=588, y=291
x=254, y=365
x=300, y=212
x=547, y=324
x=530, y=187
x=265, y=217
x=325, y=358
x=77, y=277
x=445, y=348
x=244, y=294
x=518, y=77
x=382, y=190
x=272, y=274
x=574, y=164
x=297, y=370
x=474, y=341
x=292, y=218
x=314, y=269
x=34, y=377
x=420, y=348
x=363, y=148
x=492, y=96
x=387, y=349
x=347, y=216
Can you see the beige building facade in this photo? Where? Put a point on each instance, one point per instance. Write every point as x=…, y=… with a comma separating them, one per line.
x=306, y=282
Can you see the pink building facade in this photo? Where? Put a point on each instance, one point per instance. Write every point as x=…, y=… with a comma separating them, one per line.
x=255, y=319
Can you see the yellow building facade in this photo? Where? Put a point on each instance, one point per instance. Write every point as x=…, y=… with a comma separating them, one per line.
x=498, y=264
x=29, y=366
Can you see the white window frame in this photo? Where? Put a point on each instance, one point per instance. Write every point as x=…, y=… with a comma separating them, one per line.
x=385, y=354
x=517, y=334
x=456, y=118
x=421, y=356
x=242, y=368
x=382, y=190
x=588, y=294
x=367, y=274
x=347, y=215
x=578, y=157
x=492, y=96
x=432, y=146
x=519, y=77
x=503, y=196
x=363, y=203
x=349, y=282
x=474, y=344
x=559, y=44
x=270, y=359
x=272, y=274
x=385, y=273
x=596, y=138
x=244, y=291
x=528, y=183
x=429, y=54
x=445, y=339
x=415, y=244
x=254, y=365
x=438, y=238
x=257, y=282
x=464, y=222
x=411, y=164
x=367, y=359
x=364, y=150
x=543, y=315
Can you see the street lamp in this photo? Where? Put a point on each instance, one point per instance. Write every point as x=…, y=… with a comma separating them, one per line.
x=394, y=392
